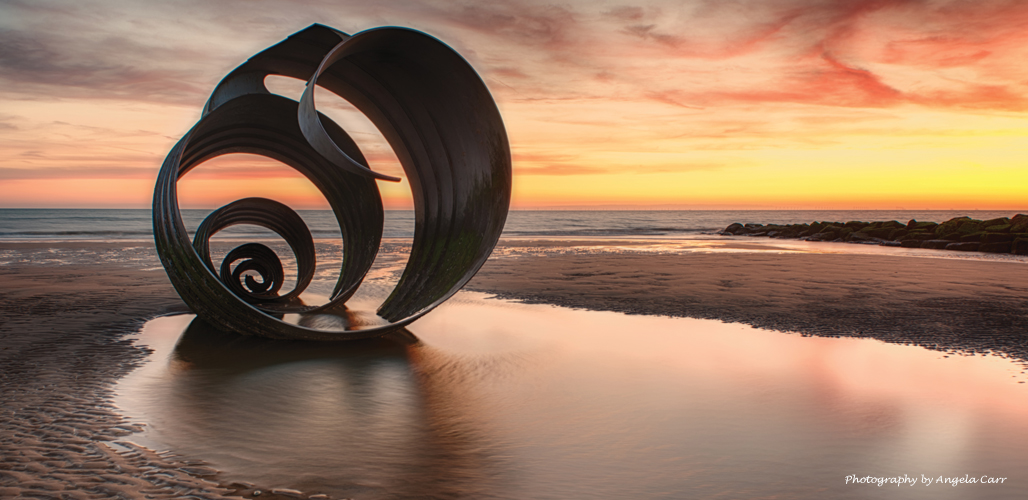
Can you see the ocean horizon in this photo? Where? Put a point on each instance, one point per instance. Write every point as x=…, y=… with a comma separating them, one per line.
x=68, y=224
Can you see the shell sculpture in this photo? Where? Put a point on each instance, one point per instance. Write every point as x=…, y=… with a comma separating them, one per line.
x=436, y=114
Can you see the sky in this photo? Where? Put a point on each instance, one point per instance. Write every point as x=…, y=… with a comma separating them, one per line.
x=689, y=104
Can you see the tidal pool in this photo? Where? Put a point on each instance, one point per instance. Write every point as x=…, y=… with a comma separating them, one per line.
x=484, y=398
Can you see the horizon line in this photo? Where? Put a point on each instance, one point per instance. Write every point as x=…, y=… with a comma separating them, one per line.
x=614, y=208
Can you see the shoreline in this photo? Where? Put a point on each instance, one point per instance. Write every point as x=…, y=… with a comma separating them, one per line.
x=65, y=336
x=952, y=305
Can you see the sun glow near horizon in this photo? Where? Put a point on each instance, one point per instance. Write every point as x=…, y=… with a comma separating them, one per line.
x=689, y=105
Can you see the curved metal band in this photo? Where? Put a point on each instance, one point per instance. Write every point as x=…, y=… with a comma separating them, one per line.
x=430, y=105
x=315, y=132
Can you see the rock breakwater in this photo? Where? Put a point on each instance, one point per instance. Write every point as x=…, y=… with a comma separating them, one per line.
x=1002, y=235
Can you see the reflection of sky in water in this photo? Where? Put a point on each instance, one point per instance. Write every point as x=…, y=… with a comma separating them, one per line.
x=393, y=252
x=515, y=247
x=502, y=400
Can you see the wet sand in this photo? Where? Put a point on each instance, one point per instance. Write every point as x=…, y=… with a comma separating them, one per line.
x=65, y=337
x=66, y=325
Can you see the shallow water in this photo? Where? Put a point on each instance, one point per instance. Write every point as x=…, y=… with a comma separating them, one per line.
x=518, y=247
x=490, y=399
x=23, y=224
x=394, y=250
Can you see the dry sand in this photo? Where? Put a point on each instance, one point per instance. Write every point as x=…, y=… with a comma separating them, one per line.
x=66, y=323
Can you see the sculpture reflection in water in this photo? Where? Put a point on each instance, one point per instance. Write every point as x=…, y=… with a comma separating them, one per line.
x=384, y=417
x=436, y=114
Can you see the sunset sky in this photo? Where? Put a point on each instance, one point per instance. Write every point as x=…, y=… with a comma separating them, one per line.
x=678, y=104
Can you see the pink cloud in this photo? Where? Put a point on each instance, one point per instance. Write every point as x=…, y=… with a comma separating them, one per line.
x=625, y=13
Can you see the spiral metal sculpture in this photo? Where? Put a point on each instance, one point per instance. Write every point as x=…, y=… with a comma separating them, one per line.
x=440, y=120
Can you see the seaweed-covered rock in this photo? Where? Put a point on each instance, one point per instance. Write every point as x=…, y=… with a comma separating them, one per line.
x=957, y=224
x=960, y=233
x=997, y=228
x=919, y=236
x=950, y=225
x=963, y=247
x=914, y=225
x=879, y=232
x=1019, y=223
x=997, y=238
x=734, y=228
x=970, y=226
x=891, y=224
x=975, y=237
x=998, y=247
x=1020, y=246
x=935, y=244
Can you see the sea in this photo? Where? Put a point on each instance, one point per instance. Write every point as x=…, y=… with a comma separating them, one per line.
x=17, y=224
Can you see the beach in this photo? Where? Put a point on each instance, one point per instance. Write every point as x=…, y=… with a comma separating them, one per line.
x=65, y=342
x=502, y=251
x=70, y=310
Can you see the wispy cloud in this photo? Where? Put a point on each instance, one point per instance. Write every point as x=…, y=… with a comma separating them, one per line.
x=560, y=169
x=77, y=173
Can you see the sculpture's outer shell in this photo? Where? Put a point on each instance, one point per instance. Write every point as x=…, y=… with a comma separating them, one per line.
x=431, y=107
